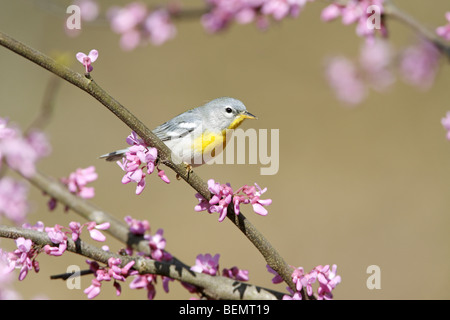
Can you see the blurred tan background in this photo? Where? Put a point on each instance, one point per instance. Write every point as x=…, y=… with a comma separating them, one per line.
x=356, y=187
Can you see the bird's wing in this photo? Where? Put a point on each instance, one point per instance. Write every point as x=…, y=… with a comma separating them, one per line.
x=178, y=127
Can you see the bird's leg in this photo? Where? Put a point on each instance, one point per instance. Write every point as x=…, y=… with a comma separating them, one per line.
x=188, y=170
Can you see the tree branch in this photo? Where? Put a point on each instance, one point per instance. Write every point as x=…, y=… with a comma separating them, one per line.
x=272, y=257
x=213, y=286
x=394, y=12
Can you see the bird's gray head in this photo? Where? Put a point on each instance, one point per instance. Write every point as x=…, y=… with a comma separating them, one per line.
x=227, y=113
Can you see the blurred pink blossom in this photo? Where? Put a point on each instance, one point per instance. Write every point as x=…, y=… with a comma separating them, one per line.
x=356, y=11
x=137, y=227
x=351, y=80
x=136, y=25
x=89, y=9
x=22, y=153
x=346, y=80
x=223, y=12
x=446, y=124
x=444, y=31
x=376, y=60
x=13, y=200
x=78, y=180
x=159, y=27
x=419, y=64
x=7, y=291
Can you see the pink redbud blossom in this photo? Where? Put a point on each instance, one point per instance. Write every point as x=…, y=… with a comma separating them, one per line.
x=235, y=273
x=89, y=9
x=446, y=124
x=145, y=281
x=94, y=230
x=346, y=81
x=137, y=227
x=277, y=278
x=94, y=289
x=223, y=195
x=356, y=11
x=139, y=161
x=444, y=31
x=419, y=64
x=77, y=181
x=13, y=200
x=137, y=26
x=87, y=60
x=157, y=244
x=19, y=152
x=207, y=264
x=328, y=280
x=59, y=238
x=326, y=277
x=23, y=258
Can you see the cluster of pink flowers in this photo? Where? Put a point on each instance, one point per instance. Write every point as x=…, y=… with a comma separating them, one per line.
x=223, y=195
x=419, y=64
x=326, y=277
x=78, y=180
x=222, y=13
x=20, y=153
x=139, y=161
x=111, y=272
x=77, y=184
x=92, y=227
x=209, y=264
x=7, y=291
x=356, y=11
x=157, y=245
x=24, y=257
x=444, y=31
x=58, y=235
x=137, y=25
x=351, y=80
x=13, y=200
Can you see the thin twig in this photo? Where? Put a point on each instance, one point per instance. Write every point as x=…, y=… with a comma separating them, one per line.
x=391, y=10
x=47, y=106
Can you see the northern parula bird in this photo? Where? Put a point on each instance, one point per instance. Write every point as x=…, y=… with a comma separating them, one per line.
x=198, y=131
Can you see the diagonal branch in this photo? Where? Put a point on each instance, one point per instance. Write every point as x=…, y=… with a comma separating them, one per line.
x=272, y=257
x=216, y=287
x=392, y=11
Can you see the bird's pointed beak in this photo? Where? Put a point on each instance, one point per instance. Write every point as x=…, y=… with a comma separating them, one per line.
x=248, y=115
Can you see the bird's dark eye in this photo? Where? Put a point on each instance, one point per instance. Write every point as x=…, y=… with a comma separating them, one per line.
x=229, y=110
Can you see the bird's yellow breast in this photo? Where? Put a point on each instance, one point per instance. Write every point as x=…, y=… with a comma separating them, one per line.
x=210, y=141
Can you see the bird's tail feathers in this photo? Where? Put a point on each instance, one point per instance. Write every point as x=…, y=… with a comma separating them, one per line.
x=114, y=156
